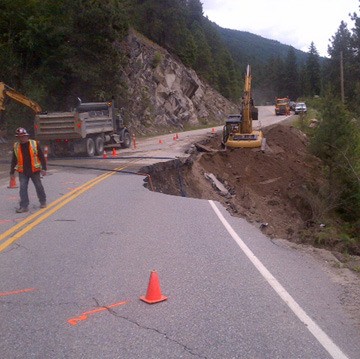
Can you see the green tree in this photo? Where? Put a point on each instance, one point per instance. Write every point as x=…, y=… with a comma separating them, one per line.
x=313, y=71
x=203, y=57
x=291, y=75
x=186, y=48
x=55, y=51
x=272, y=79
x=341, y=49
x=303, y=83
x=337, y=142
x=30, y=33
x=162, y=21
x=278, y=75
x=28, y=36
x=355, y=42
x=92, y=58
x=225, y=76
x=194, y=11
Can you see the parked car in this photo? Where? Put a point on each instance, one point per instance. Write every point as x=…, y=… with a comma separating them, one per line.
x=292, y=105
x=300, y=107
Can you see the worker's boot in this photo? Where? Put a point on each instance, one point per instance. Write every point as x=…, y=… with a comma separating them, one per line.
x=22, y=210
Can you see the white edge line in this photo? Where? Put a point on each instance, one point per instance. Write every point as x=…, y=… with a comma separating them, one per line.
x=314, y=329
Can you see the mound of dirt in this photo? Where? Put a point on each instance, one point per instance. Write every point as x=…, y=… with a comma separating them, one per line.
x=278, y=189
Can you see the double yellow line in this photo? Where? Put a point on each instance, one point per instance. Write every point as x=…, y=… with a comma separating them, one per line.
x=17, y=231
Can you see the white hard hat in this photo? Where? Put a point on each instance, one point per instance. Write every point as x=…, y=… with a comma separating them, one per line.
x=20, y=131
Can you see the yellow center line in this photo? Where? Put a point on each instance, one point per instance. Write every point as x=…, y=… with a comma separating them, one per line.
x=40, y=212
x=46, y=212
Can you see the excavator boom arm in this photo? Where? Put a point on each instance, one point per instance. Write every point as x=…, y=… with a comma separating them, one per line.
x=246, y=126
x=6, y=91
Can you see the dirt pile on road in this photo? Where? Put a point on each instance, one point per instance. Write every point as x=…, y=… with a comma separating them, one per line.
x=278, y=190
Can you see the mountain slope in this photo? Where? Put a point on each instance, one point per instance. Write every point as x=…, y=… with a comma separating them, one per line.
x=247, y=47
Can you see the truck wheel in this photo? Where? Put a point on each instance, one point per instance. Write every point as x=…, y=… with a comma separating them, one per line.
x=126, y=140
x=99, y=145
x=90, y=147
x=54, y=152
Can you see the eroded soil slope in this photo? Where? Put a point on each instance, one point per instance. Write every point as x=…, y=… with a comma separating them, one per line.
x=279, y=190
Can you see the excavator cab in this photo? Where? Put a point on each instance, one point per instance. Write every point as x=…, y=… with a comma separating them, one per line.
x=232, y=126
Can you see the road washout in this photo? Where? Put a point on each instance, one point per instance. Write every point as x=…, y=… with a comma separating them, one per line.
x=279, y=190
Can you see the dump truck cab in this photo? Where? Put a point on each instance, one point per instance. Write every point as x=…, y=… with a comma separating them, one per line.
x=282, y=106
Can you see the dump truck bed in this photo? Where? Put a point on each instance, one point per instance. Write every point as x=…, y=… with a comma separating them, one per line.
x=72, y=125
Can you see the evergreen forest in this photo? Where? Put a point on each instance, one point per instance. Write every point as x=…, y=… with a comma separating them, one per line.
x=52, y=51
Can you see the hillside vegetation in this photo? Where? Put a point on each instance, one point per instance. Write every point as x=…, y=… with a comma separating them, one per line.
x=57, y=51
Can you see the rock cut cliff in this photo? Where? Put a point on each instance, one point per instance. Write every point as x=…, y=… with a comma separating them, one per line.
x=164, y=95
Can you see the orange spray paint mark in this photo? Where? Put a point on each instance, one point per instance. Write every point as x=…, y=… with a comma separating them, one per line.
x=3, y=294
x=85, y=315
x=5, y=221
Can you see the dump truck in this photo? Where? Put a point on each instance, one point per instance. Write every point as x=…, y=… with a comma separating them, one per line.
x=282, y=106
x=86, y=130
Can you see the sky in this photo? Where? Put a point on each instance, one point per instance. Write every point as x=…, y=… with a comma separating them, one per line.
x=296, y=23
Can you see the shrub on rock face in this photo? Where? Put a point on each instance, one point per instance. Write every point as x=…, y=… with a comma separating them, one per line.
x=157, y=59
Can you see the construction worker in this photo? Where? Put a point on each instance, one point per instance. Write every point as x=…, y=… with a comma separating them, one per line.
x=28, y=159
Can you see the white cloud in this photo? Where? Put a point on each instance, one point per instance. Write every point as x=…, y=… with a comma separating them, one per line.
x=290, y=22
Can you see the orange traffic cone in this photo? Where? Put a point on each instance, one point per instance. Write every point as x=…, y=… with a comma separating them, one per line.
x=153, y=294
x=174, y=137
x=114, y=151
x=104, y=154
x=160, y=141
x=12, y=183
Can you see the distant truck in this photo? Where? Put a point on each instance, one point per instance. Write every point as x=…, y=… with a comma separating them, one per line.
x=84, y=131
x=282, y=106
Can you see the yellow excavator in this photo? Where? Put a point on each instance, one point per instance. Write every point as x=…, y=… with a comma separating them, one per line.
x=238, y=131
x=6, y=91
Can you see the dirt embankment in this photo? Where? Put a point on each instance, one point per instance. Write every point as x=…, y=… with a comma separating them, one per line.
x=278, y=190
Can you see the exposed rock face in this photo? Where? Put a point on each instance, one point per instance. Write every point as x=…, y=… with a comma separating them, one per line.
x=163, y=93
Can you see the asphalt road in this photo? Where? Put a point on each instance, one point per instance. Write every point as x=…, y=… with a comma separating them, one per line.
x=72, y=274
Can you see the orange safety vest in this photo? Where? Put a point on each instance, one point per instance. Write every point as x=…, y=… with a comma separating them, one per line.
x=35, y=161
